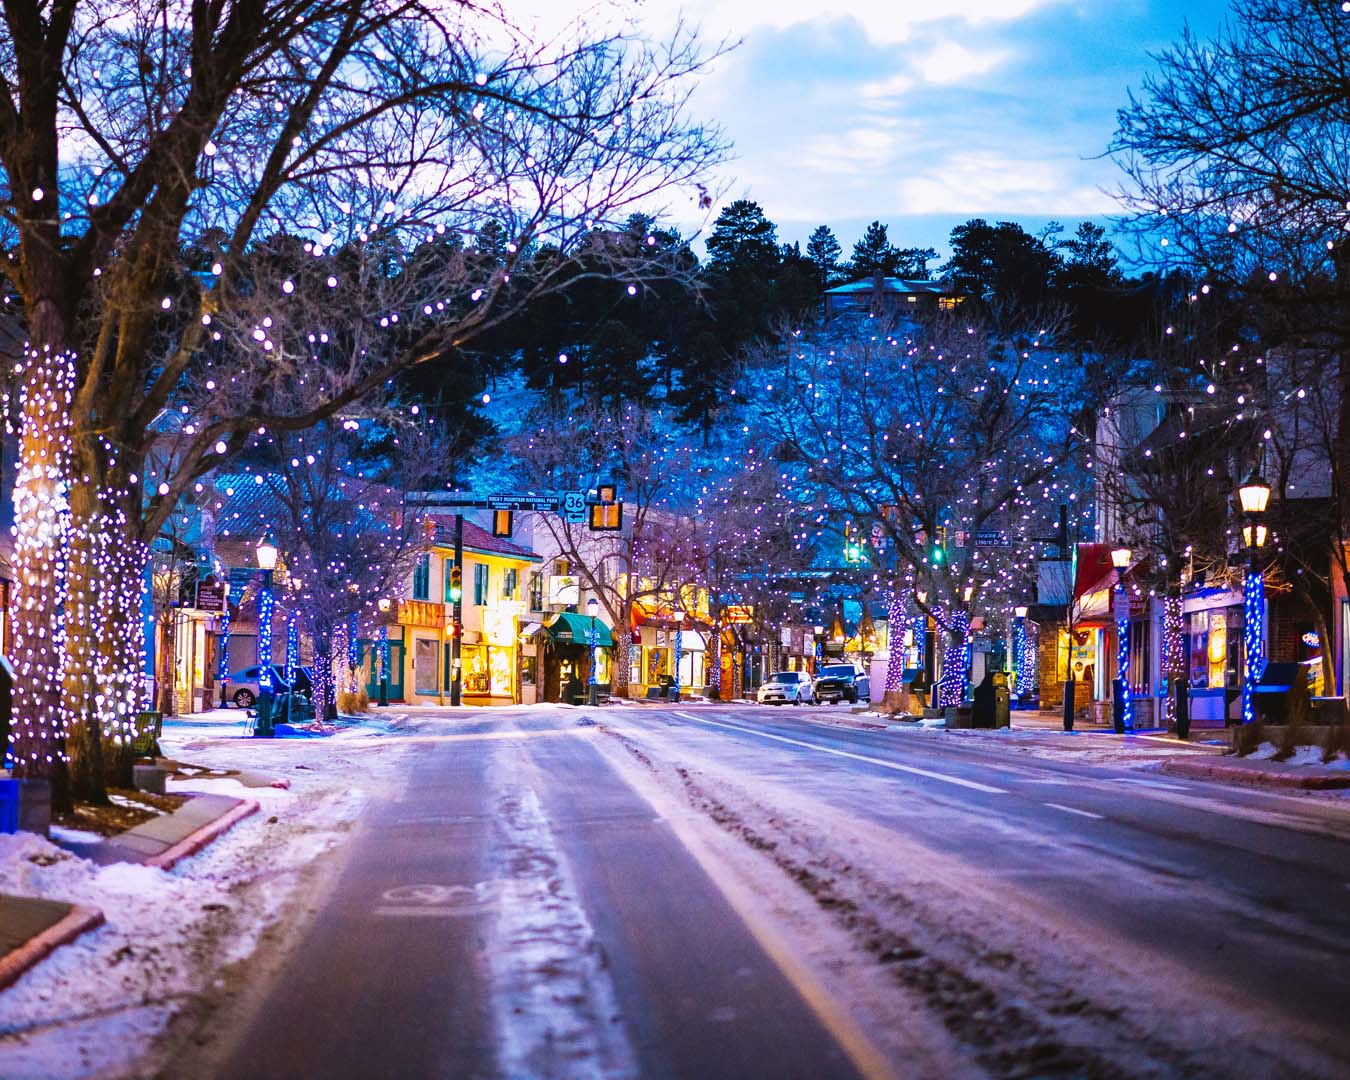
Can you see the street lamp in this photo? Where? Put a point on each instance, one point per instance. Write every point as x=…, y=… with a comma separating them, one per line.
x=678, y=616
x=383, y=659
x=1122, y=707
x=267, y=562
x=593, y=687
x=820, y=643
x=1253, y=496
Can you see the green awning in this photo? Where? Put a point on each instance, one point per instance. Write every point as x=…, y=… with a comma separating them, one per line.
x=569, y=628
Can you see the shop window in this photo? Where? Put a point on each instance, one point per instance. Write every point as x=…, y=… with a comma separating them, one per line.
x=1140, y=659
x=510, y=579
x=481, y=580
x=635, y=665
x=529, y=669
x=537, y=591
x=421, y=589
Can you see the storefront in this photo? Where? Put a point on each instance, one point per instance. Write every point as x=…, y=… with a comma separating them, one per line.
x=489, y=657
x=567, y=653
x=1212, y=629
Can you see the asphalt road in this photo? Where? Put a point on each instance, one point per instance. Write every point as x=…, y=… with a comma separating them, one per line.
x=519, y=911
x=1270, y=873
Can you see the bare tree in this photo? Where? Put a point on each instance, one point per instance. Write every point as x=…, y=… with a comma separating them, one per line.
x=651, y=557
x=951, y=438
x=1235, y=152
x=137, y=137
x=749, y=542
x=336, y=498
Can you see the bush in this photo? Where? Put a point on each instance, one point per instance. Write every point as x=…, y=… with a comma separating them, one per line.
x=346, y=702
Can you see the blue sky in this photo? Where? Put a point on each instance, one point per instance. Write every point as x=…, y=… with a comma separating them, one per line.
x=923, y=113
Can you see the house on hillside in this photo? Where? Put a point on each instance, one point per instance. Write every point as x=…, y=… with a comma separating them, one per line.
x=889, y=297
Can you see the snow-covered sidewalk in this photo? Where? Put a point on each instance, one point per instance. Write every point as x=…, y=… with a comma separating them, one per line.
x=96, y=1006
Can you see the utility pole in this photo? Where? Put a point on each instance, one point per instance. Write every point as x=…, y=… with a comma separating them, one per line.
x=457, y=614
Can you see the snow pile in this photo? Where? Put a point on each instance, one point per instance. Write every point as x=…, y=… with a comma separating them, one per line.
x=1303, y=755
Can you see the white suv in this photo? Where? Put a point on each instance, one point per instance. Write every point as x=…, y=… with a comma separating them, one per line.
x=785, y=686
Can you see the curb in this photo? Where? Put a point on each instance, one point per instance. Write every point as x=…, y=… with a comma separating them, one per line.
x=76, y=922
x=195, y=841
x=1211, y=770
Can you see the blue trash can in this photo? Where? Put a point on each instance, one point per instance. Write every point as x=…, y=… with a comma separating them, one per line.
x=9, y=806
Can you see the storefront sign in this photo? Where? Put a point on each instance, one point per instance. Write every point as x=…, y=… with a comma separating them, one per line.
x=499, y=627
x=210, y=597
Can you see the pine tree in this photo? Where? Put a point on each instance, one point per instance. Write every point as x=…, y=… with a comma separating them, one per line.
x=823, y=249
x=743, y=239
x=873, y=254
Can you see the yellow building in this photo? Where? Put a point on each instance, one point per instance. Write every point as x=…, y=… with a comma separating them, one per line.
x=496, y=575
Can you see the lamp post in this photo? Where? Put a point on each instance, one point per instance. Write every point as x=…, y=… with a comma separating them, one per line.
x=820, y=643
x=678, y=616
x=266, y=554
x=1122, y=707
x=383, y=649
x=292, y=657
x=593, y=686
x=1253, y=496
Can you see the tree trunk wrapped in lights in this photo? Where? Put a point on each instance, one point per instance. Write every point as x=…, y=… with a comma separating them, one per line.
x=955, y=683
x=41, y=724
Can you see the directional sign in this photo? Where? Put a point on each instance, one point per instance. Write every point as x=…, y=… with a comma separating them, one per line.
x=240, y=579
x=992, y=538
x=542, y=503
x=574, y=506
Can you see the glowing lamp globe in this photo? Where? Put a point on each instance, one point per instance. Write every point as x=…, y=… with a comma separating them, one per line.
x=1020, y=611
x=592, y=607
x=267, y=553
x=1253, y=495
x=1120, y=557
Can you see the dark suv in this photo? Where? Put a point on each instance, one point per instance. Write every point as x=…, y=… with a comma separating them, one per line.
x=842, y=682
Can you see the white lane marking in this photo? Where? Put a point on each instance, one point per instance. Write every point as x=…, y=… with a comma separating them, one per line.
x=1080, y=813
x=1055, y=783
x=1144, y=783
x=943, y=777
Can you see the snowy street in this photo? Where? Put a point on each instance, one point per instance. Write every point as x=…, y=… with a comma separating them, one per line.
x=712, y=891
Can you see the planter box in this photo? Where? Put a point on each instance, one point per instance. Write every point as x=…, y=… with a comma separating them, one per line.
x=35, y=806
x=149, y=778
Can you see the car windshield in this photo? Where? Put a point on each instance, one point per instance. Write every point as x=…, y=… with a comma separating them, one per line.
x=838, y=672
x=784, y=677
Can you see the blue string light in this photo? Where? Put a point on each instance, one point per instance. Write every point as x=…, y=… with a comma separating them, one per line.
x=1253, y=639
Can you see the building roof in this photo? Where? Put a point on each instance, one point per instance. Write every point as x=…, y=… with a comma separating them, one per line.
x=890, y=285
x=476, y=538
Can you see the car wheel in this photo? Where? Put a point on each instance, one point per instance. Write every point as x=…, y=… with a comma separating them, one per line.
x=244, y=698
x=853, y=698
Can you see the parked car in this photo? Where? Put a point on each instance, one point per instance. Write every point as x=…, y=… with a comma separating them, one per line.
x=785, y=686
x=244, y=689
x=842, y=682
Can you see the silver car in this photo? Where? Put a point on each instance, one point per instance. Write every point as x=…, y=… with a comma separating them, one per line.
x=785, y=686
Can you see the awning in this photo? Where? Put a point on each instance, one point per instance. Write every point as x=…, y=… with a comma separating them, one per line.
x=569, y=628
x=530, y=629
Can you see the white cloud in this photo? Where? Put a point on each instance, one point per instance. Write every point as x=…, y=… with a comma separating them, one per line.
x=886, y=22
x=951, y=62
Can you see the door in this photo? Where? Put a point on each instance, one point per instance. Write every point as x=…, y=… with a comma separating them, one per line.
x=371, y=663
x=426, y=657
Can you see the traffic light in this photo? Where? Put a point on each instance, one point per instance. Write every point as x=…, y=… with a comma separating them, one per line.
x=502, y=523
x=606, y=517
x=853, y=544
x=456, y=589
x=939, y=545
